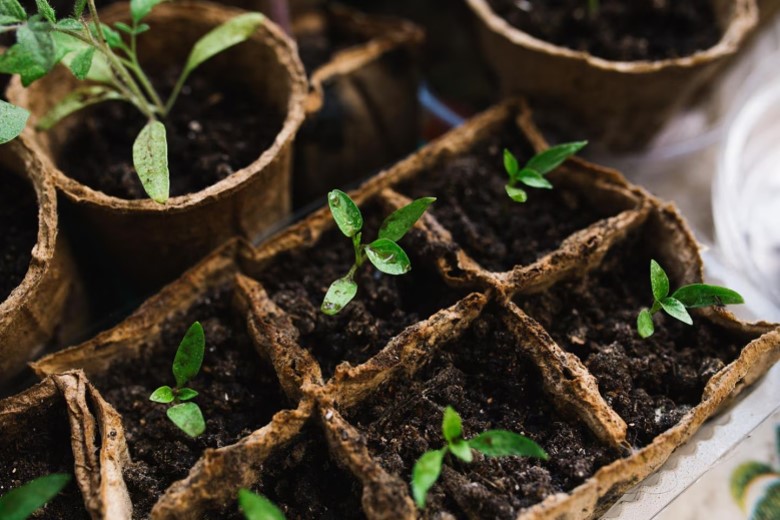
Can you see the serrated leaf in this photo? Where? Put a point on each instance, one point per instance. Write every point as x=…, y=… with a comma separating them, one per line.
x=164, y=395
x=140, y=8
x=33, y=55
x=46, y=10
x=185, y=394
x=644, y=323
x=13, y=119
x=257, y=507
x=502, y=443
x=188, y=417
x=82, y=62
x=345, y=212
x=150, y=158
x=399, y=222
x=13, y=11
x=546, y=161
x=425, y=474
x=189, y=355
x=339, y=294
x=462, y=450
x=510, y=164
x=23, y=501
x=388, y=257
x=703, y=295
x=533, y=179
x=658, y=281
x=676, y=309
x=451, y=425
x=516, y=194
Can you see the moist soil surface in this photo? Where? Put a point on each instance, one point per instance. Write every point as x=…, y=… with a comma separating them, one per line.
x=19, y=224
x=237, y=395
x=620, y=31
x=205, y=142
x=494, y=230
x=40, y=449
x=298, y=280
x=487, y=379
x=650, y=382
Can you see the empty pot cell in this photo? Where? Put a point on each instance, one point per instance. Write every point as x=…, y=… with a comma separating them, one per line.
x=650, y=382
x=237, y=392
x=486, y=377
x=320, y=35
x=19, y=222
x=297, y=281
x=41, y=446
x=494, y=230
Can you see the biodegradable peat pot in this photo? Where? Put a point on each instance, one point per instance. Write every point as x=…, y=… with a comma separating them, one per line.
x=153, y=242
x=38, y=274
x=620, y=103
x=494, y=340
x=62, y=425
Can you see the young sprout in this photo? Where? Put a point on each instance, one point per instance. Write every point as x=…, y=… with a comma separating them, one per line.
x=492, y=443
x=257, y=507
x=21, y=502
x=686, y=297
x=532, y=174
x=384, y=252
x=105, y=56
x=186, y=365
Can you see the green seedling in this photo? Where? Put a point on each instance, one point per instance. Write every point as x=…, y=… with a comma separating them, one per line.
x=534, y=171
x=257, y=507
x=686, y=297
x=384, y=252
x=186, y=365
x=21, y=502
x=492, y=443
x=106, y=56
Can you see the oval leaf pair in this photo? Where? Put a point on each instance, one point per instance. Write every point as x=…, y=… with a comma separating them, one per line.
x=388, y=257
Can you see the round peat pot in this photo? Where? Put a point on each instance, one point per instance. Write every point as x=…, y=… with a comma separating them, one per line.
x=230, y=138
x=36, y=272
x=619, y=103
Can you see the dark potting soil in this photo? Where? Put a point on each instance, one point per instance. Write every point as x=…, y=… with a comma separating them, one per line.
x=44, y=448
x=650, y=382
x=297, y=281
x=19, y=225
x=620, y=31
x=212, y=132
x=316, y=48
x=497, y=232
x=237, y=394
x=486, y=377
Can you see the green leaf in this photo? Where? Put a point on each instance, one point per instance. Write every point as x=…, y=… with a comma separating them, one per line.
x=12, y=10
x=21, y=502
x=185, y=394
x=339, y=294
x=257, y=507
x=533, y=179
x=658, y=281
x=150, y=158
x=46, y=10
x=401, y=220
x=743, y=475
x=78, y=8
x=13, y=119
x=388, y=257
x=112, y=37
x=189, y=355
x=451, y=425
x=121, y=26
x=345, y=212
x=510, y=164
x=76, y=100
x=644, y=323
x=82, y=62
x=164, y=395
x=140, y=8
x=516, y=194
x=425, y=474
x=703, y=295
x=548, y=160
x=33, y=55
x=462, y=450
x=502, y=443
x=188, y=417
x=141, y=28
x=69, y=24
x=230, y=33
x=676, y=309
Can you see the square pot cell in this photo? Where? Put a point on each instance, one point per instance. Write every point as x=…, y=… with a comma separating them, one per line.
x=486, y=376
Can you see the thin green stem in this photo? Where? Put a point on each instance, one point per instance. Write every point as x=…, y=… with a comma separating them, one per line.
x=175, y=92
x=135, y=66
